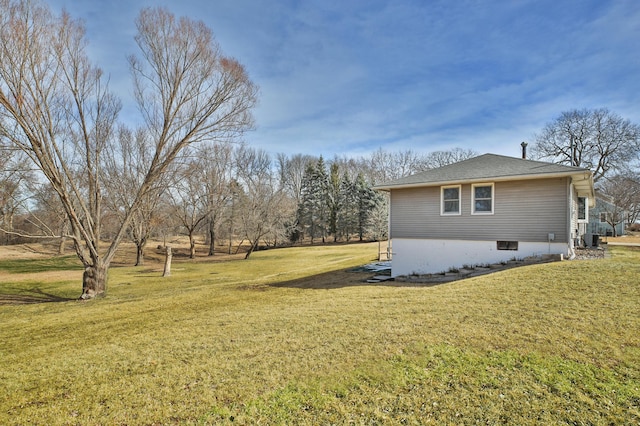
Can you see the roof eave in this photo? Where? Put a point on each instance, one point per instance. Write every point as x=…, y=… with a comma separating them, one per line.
x=578, y=176
x=584, y=187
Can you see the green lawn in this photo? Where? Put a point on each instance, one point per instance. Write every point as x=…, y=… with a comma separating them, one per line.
x=277, y=339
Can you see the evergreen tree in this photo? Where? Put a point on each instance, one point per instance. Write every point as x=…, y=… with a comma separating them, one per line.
x=306, y=212
x=366, y=202
x=313, y=210
x=334, y=198
x=348, y=217
x=321, y=198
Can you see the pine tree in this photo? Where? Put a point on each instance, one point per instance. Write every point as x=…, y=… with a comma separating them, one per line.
x=313, y=210
x=306, y=209
x=321, y=198
x=334, y=199
x=366, y=199
x=348, y=218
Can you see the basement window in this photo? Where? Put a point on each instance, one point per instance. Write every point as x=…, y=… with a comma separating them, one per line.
x=507, y=245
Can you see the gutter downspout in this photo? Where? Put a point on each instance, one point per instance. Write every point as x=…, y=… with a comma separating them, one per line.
x=571, y=252
x=389, y=256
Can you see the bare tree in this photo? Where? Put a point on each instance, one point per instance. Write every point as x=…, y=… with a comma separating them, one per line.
x=387, y=165
x=622, y=193
x=16, y=181
x=55, y=106
x=259, y=210
x=217, y=169
x=442, y=158
x=384, y=166
x=126, y=161
x=291, y=171
x=236, y=193
x=598, y=139
x=189, y=203
x=48, y=215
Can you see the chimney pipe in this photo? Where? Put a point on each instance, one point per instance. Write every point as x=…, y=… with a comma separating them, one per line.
x=524, y=150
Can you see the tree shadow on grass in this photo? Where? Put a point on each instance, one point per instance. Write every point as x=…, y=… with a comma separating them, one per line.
x=32, y=296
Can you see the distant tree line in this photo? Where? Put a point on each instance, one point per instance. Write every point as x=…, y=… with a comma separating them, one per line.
x=224, y=194
x=229, y=194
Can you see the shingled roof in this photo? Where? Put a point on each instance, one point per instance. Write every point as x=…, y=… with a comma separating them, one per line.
x=492, y=167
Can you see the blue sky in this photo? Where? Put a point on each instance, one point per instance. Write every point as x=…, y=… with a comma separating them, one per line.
x=349, y=77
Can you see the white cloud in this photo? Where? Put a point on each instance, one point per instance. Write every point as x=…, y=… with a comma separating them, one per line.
x=339, y=77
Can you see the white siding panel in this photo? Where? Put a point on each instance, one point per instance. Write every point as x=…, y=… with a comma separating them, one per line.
x=414, y=256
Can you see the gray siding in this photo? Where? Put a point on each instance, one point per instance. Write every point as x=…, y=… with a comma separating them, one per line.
x=523, y=211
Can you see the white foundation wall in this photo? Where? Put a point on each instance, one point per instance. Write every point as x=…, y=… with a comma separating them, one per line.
x=415, y=256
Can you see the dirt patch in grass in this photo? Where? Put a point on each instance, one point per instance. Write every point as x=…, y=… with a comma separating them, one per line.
x=28, y=251
x=29, y=273
x=629, y=239
x=48, y=276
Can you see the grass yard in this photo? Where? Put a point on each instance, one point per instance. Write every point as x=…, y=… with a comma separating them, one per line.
x=292, y=337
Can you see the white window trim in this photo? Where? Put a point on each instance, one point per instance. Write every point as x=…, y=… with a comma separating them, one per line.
x=473, y=198
x=459, y=212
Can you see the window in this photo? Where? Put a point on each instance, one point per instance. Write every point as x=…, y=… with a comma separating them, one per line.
x=450, y=200
x=507, y=245
x=582, y=209
x=603, y=217
x=482, y=201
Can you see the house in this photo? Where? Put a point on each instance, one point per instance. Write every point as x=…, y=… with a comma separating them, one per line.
x=601, y=216
x=484, y=210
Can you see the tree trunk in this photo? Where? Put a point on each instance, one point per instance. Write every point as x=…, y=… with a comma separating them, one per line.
x=167, y=263
x=251, y=249
x=212, y=239
x=140, y=253
x=240, y=246
x=61, y=244
x=94, y=281
x=64, y=229
x=7, y=220
x=192, y=247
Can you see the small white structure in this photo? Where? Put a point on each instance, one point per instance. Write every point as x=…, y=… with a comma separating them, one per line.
x=485, y=210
